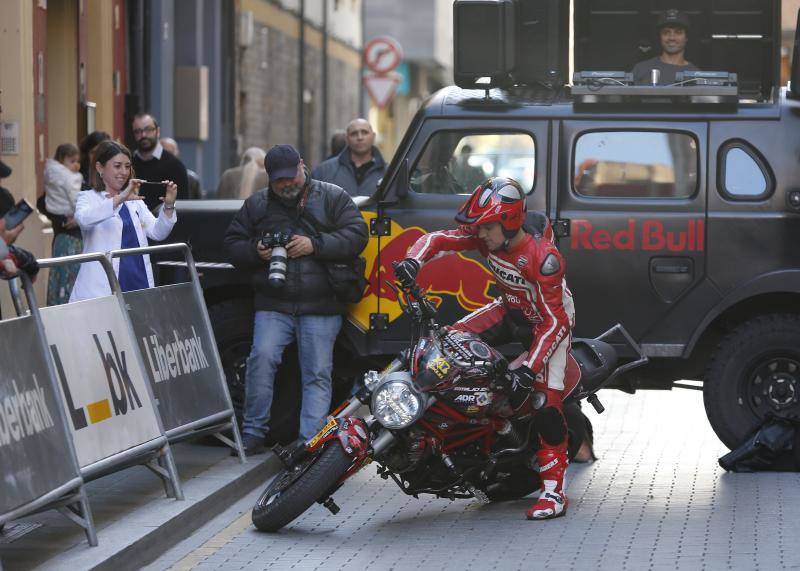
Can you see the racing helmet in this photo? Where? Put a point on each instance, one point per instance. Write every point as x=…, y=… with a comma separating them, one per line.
x=497, y=199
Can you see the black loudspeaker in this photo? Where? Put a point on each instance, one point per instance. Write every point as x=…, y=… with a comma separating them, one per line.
x=542, y=42
x=484, y=42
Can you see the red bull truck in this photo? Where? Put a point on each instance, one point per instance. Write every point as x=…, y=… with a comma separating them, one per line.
x=677, y=207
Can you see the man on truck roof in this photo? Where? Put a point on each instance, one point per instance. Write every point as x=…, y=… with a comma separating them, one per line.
x=673, y=28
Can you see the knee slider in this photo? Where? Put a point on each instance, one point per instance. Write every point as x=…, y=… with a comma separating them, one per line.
x=549, y=424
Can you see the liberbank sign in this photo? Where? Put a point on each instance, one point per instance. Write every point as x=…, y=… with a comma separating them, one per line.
x=103, y=384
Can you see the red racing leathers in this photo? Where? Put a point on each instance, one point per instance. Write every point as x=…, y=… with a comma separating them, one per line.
x=535, y=306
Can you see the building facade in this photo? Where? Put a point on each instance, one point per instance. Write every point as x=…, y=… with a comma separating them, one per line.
x=424, y=30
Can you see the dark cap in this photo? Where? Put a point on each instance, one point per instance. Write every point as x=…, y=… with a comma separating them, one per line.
x=673, y=18
x=281, y=162
x=5, y=170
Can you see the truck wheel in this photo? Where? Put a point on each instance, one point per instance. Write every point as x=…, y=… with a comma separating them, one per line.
x=233, y=329
x=754, y=372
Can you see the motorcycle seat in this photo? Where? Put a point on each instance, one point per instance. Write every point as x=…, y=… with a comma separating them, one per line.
x=596, y=359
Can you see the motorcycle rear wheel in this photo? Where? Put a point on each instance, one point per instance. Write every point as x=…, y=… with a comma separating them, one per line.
x=294, y=490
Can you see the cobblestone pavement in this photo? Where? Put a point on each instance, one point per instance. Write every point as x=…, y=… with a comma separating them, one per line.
x=655, y=499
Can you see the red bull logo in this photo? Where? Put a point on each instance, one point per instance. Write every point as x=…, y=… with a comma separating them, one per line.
x=649, y=235
x=467, y=280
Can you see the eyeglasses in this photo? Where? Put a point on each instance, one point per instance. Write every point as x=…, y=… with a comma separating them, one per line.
x=147, y=130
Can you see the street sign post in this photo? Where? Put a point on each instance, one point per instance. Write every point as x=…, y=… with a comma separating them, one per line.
x=382, y=55
x=381, y=88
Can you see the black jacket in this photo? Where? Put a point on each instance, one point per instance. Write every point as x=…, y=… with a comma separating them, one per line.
x=339, y=171
x=306, y=290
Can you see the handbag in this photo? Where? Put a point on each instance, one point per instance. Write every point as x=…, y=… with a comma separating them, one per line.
x=346, y=277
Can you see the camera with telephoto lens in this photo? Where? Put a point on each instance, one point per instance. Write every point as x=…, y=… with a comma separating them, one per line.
x=276, y=275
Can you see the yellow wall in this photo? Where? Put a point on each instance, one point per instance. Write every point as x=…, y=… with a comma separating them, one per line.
x=17, y=102
x=100, y=79
x=62, y=73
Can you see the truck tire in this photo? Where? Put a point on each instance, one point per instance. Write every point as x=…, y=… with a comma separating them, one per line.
x=294, y=490
x=232, y=321
x=755, y=371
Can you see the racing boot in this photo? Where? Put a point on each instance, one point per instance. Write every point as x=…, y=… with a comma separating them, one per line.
x=552, y=499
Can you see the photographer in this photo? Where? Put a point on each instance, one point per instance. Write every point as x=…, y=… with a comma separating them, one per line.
x=283, y=236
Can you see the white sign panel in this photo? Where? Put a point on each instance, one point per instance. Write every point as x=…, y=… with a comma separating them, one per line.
x=103, y=386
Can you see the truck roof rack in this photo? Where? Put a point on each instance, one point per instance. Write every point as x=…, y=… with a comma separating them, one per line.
x=592, y=88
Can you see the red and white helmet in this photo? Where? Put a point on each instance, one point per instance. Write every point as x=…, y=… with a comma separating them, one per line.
x=498, y=199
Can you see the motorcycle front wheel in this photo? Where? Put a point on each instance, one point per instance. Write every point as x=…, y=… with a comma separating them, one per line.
x=295, y=489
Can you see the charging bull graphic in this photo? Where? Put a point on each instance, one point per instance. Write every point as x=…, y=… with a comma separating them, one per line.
x=467, y=280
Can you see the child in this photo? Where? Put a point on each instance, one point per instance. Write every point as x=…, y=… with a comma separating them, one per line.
x=62, y=180
x=62, y=183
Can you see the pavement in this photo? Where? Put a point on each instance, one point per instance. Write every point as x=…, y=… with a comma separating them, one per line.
x=655, y=499
x=135, y=520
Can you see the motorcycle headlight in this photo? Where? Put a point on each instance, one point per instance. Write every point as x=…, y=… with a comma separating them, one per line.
x=397, y=403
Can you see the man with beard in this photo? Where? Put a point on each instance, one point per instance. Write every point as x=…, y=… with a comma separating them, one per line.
x=322, y=224
x=359, y=166
x=673, y=27
x=153, y=163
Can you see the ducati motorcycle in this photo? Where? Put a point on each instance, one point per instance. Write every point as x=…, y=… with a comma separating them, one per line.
x=438, y=421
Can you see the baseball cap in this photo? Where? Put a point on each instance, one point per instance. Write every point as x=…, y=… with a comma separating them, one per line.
x=673, y=18
x=281, y=162
x=5, y=170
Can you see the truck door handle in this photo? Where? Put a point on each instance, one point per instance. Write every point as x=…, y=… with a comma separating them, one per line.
x=671, y=268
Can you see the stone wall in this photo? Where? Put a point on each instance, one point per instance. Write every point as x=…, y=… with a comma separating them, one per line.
x=268, y=98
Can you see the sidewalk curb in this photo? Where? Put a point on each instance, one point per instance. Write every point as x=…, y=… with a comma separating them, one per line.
x=141, y=537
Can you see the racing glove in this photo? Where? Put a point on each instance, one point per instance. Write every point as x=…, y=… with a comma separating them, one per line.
x=522, y=378
x=521, y=386
x=406, y=272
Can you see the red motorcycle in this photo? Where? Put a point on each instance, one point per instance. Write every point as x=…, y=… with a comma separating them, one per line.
x=439, y=422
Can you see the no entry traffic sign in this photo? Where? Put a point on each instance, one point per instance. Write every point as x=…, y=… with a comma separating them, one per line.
x=382, y=54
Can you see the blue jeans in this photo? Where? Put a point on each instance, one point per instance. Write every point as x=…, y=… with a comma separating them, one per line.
x=272, y=333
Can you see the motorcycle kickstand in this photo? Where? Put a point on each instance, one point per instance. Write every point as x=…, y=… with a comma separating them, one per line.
x=330, y=505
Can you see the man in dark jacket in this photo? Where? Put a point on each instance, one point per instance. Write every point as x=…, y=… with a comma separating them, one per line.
x=153, y=163
x=359, y=166
x=304, y=306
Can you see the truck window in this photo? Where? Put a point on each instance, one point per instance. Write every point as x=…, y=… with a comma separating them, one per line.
x=744, y=174
x=455, y=162
x=635, y=164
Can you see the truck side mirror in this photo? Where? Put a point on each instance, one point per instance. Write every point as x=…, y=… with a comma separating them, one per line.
x=795, y=75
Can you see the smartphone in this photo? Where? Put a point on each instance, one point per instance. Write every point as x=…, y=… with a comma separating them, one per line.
x=148, y=183
x=152, y=191
x=19, y=212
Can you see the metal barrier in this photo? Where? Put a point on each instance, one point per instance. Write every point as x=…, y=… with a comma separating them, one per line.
x=38, y=462
x=109, y=403
x=175, y=337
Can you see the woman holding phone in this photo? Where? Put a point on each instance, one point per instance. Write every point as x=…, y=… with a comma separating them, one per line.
x=112, y=216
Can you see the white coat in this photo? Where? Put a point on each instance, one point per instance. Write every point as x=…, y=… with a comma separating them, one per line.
x=101, y=227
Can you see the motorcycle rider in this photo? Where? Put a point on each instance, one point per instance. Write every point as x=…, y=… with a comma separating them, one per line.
x=535, y=307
